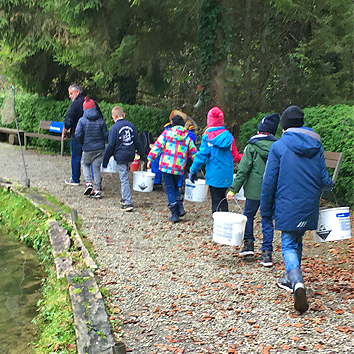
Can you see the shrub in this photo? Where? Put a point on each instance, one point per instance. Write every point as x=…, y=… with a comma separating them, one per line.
x=335, y=124
x=31, y=109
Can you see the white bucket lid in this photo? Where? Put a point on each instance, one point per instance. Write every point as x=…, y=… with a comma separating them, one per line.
x=228, y=217
x=198, y=181
x=144, y=174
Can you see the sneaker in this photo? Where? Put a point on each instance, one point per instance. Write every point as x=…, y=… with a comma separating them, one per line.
x=266, y=259
x=88, y=189
x=122, y=202
x=70, y=182
x=300, y=300
x=95, y=194
x=285, y=284
x=247, y=249
x=127, y=207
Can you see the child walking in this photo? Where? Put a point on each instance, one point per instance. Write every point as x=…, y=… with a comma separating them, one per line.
x=123, y=140
x=176, y=146
x=219, y=152
x=91, y=132
x=250, y=175
x=294, y=179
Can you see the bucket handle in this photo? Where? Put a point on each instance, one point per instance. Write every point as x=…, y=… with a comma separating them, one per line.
x=226, y=199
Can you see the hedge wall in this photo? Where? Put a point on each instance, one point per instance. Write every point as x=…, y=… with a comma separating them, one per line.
x=335, y=124
x=31, y=109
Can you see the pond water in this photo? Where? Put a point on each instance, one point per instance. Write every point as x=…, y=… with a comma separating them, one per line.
x=20, y=280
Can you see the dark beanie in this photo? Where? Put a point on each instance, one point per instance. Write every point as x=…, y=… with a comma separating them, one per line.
x=177, y=120
x=292, y=117
x=269, y=124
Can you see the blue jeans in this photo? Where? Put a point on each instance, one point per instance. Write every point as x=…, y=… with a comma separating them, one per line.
x=251, y=208
x=123, y=171
x=172, y=190
x=292, y=249
x=76, y=153
x=155, y=169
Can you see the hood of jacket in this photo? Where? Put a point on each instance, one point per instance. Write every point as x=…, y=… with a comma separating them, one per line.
x=92, y=114
x=262, y=143
x=179, y=132
x=219, y=137
x=302, y=141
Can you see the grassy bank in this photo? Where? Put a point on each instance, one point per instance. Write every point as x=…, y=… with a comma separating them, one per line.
x=55, y=328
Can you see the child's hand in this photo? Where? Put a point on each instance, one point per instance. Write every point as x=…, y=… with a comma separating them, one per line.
x=230, y=195
x=148, y=165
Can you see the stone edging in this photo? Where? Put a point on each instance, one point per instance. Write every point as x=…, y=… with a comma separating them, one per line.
x=93, y=331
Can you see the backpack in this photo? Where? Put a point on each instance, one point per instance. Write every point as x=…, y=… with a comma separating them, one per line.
x=147, y=140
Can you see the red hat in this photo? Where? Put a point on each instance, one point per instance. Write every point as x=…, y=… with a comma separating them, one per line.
x=215, y=117
x=88, y=103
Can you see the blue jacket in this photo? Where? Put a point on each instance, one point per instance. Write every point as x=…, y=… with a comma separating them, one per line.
x=294, y=179
x=216, y=151
x=123, y=140
x=91, y=131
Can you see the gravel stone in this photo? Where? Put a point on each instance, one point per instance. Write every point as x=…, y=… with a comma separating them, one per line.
x=177, y=291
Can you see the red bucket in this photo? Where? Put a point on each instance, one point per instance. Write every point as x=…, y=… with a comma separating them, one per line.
x=134, y=166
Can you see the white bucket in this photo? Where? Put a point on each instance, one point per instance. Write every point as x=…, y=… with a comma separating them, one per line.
x=229, y=228
x=143, y=181
x=111, y=167
x=240, y=195
x=197, y=191
x=333, y=224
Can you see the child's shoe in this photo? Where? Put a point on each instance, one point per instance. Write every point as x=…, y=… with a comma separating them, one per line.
x=247, y=249
x=88, y=188
x=95, y=194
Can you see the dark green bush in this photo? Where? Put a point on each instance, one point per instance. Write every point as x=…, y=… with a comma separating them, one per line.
x=335, y=124
x=31, y=109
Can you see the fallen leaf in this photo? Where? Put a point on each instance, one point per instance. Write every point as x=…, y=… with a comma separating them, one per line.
x=56, y=347
x=295, y=338
x=298, y=325
x=285, y=346
x=318, y=346
x=302, y=348
x=339, y=312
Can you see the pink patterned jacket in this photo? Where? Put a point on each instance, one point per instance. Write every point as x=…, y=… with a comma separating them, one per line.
x=176, y=146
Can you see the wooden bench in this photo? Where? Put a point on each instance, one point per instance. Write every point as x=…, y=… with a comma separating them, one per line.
x=10, y=135
x=334, y=160
x=52, y=126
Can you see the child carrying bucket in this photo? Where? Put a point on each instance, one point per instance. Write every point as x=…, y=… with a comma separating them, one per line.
x=294, y=179
x=219, y=152
x=250, y=175
x=176, y=146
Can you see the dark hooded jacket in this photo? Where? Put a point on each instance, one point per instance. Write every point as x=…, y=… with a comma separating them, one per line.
x=294, y=179
x=91, y=130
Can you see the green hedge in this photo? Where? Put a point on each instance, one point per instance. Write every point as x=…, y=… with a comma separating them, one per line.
x=335, y=124
x=31, y=109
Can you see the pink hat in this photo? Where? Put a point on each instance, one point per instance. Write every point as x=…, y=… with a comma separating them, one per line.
x=215, y=117
x=88, y=103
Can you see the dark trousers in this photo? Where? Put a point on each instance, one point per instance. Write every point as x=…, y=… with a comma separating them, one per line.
x=251, y=208
x=217, y=202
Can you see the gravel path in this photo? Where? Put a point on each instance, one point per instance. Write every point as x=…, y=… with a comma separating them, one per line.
x=177, y=291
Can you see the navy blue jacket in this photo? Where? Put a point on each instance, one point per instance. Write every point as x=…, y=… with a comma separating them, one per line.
x=294, y=179
x=75, y=112
x=91, y=131
x=123, y=140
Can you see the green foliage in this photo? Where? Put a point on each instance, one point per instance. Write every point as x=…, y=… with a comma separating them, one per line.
x=56, y=331
x=335, y=124
x=31, y=109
